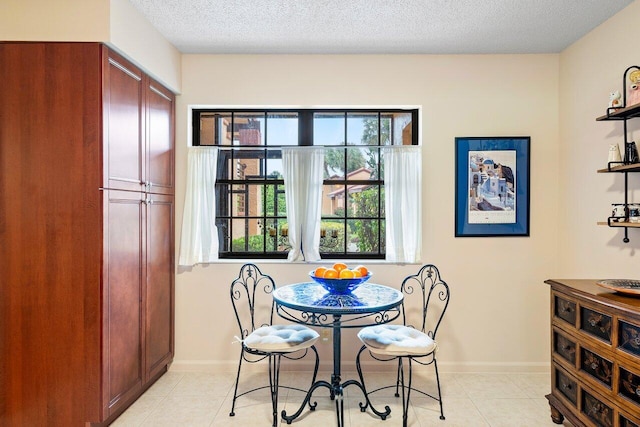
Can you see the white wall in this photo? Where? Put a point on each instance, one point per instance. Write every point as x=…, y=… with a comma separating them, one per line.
x=498, y=316
x=590, y=70
x=115, y=22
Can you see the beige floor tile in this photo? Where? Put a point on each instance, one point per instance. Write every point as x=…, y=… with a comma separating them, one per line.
x=535, y=385
x=165, y=384
x=204, y=384
x=192, y=411
x=139, y=411
x=458, y=412
x=510, y=412
x=489, y=385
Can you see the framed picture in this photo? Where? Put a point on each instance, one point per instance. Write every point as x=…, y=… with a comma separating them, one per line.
x=492, y=186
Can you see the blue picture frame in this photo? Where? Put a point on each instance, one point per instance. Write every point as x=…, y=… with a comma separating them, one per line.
x=492, y=186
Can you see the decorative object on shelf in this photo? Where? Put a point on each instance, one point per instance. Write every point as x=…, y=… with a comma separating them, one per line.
x=619, y=212
x=624, y=286
x=631, y=153
x=614, y=154
x=492, y=186
x=615, y=99
x=633, y=94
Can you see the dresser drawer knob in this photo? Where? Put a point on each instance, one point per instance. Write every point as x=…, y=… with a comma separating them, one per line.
x=593, y=366
x=566, y=386
x=638, y=391
x=594, y=322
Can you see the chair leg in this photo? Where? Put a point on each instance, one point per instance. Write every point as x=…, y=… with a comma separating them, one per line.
x=406, y=391
x=274, y=380
x=235, y=390
x=398, y=376
x=435, y=365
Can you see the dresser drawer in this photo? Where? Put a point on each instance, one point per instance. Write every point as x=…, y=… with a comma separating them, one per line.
x=597, y=411
x=596, y=366
x=565, y=385
x=596, y=324
x=629, y=386
x=564, y=347
x=565, y=310
x=624, y=422
x=629, y=337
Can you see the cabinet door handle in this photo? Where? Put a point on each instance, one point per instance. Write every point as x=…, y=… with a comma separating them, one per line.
x=594, y=322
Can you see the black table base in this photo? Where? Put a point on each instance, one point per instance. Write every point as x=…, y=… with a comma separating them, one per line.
x=336, y=387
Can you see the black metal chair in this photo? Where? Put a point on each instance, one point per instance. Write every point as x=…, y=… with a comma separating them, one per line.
x=426, y=297
x=253, y=306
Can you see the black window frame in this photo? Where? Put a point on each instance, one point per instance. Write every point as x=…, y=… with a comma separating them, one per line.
x=228, y=156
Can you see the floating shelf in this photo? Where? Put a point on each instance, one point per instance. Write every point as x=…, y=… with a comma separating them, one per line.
x=620, y=224
x=621, y=113
x=633, y=167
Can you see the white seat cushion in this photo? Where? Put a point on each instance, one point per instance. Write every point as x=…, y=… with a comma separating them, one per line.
x=396, y=340
x=281, y=338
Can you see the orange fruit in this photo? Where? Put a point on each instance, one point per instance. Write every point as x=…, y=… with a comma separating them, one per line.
x=330, y=273
x=347, y=274
x=362, y=269
x=339, y=266
x=356, y=273
x=319, y=272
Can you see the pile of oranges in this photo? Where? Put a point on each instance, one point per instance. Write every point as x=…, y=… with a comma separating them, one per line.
x=340, y=270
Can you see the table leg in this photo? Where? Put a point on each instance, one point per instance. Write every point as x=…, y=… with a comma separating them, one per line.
x=336, y=387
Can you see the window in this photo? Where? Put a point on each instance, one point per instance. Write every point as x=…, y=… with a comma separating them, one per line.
x=250, y=191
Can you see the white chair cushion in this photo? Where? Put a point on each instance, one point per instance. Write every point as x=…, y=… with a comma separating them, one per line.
x=281, y=338
x=396, y=340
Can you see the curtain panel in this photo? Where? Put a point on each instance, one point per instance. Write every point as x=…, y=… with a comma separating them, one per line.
x=199, y=238
x=402, y=178
x=302, y=171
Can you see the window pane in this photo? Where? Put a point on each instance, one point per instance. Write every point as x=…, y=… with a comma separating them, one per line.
x=328, y=128
x=331, y=236
x=334, y=163
x=274, y=164
x=401, y=129
x=333, y=200
x=223, y=195
x=362, y=129
x=275, y=200
x=363, y=236
x=363, y=201
x=249, y=129
x=215, y=129
x=223, y=234
x=282, y=129
x=385, y=129
x=362, y=163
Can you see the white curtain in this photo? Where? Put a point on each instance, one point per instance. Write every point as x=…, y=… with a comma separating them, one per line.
x=302, y=170
x=199, y=239
x=402, y=177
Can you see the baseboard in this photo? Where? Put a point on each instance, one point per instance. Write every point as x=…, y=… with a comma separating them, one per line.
x=443, y=366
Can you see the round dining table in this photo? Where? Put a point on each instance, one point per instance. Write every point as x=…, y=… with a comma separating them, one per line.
x=311, y=304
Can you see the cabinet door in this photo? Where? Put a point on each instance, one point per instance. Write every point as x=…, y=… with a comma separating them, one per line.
x=159, y=292
x=160, y=139
x=123, y=272
x=123, y=125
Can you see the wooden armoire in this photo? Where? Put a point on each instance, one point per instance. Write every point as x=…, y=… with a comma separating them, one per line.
x=86, y=233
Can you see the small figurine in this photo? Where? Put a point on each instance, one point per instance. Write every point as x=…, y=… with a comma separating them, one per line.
x=614, y=154
x=633, y=94
x=615, y=100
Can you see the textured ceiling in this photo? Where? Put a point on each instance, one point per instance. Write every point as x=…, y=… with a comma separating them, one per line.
x=376, y=26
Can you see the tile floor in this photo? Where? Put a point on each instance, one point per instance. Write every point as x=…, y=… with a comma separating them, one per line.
x=189, y=399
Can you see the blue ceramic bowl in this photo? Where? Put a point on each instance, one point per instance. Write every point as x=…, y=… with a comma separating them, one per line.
x=340, y=286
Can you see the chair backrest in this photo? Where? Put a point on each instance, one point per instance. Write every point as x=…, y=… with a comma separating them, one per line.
x=252, y=300
x=426, y=297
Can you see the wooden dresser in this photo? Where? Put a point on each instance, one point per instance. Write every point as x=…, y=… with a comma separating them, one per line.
x=595, y=355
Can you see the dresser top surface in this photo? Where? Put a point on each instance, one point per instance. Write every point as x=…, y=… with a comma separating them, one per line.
x=588, y=288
